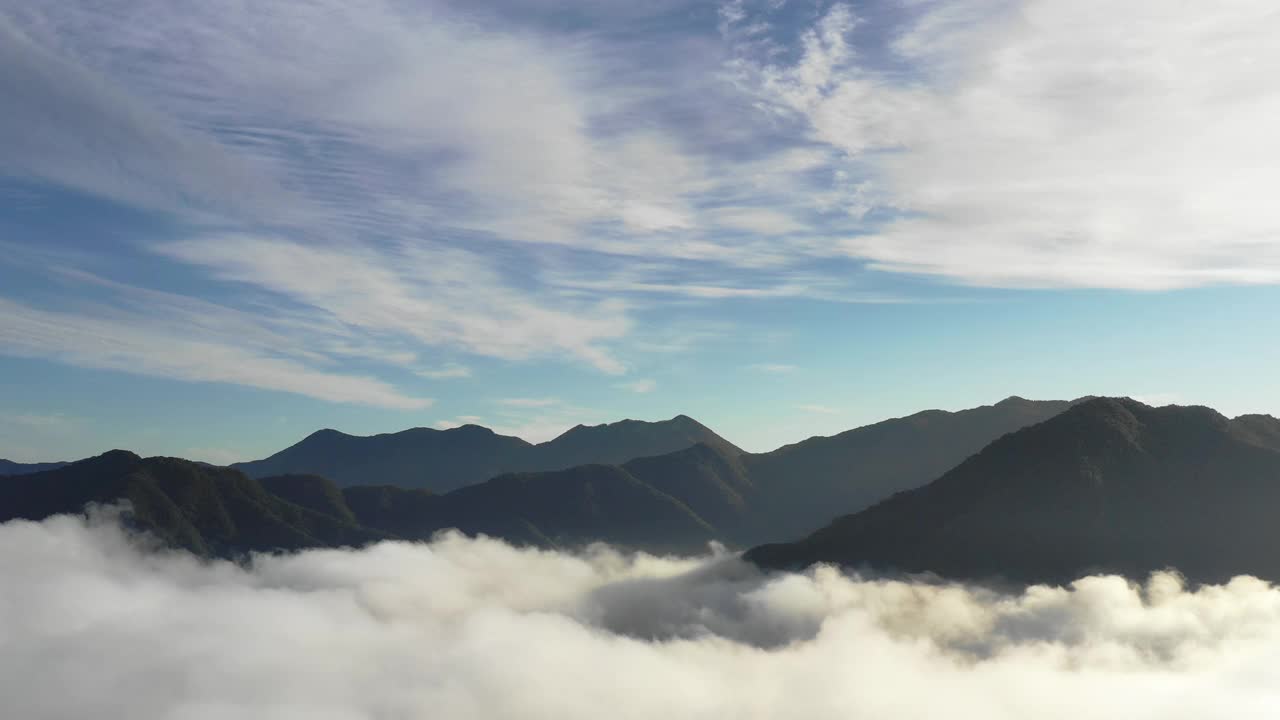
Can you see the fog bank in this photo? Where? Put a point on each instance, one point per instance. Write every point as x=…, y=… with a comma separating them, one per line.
x=94, y=623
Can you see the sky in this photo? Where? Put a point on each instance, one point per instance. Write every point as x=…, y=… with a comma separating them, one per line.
x=226, y=225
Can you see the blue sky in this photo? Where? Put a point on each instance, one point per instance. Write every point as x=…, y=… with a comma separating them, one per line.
x=225, y=225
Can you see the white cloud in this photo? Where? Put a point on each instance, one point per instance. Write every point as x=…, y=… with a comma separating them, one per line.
x=68, y=125
x=458, y=422
x=1049, y=143
x=445, y=372
x=428, y=294
x=1021, y=143
x=476, y=629
x=640, y=386
x=130, y=346
x=763, y=221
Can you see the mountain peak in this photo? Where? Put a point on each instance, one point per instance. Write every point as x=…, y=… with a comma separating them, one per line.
x=1110, y=485
x=324, y=434
x=1013, y=400
x=471, y=429
x=117, y=456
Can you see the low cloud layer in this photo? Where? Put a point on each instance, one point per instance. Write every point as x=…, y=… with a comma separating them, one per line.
x=94, y=624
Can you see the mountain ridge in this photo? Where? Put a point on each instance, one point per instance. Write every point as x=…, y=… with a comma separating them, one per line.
x=444, y=460
x=1111, y=485
x=9, y=467
x=690, y=496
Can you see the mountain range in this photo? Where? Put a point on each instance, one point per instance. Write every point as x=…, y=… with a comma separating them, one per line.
x=208, y=510
x=676, y=501
x=1022, y=491
x=444, y=460
x=1111, y=485
x=8, y=467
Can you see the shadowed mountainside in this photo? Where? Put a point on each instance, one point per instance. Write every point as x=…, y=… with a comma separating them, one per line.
x=209, y=510
x=678, y=501
x=221, y=512
x=1111, y=485
x=805, y=485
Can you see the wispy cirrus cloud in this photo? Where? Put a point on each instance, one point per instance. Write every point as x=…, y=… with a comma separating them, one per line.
x=575, y=174
x=437, y=296
x=445, y=372
x=70, y=126
x=302, y=151
x=1048, y=143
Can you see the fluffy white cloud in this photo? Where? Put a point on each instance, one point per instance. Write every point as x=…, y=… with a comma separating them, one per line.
x=476, y=629
x=445, y=372
x=1056, y=142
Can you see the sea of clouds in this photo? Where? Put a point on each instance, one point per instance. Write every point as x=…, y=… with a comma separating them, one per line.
x=97, y=623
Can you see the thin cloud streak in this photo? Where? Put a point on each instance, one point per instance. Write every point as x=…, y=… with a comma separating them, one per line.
x=101, y=343
x=436, y=296
x=445, y=372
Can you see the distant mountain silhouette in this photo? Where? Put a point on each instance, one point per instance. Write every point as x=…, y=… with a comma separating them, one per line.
x=439, y=460
x=1111, y=485
x=444, y=460
x=807, y=484
x=221, y=512
x=208, y=510
x=677, y=501
x=617, y=442
x=8, y=467
x=718, y=492
x=558, y=508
